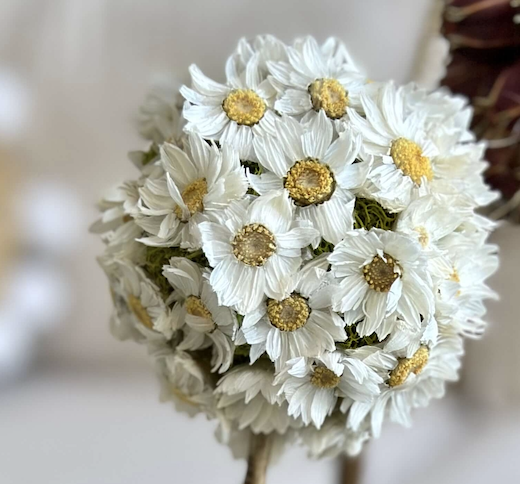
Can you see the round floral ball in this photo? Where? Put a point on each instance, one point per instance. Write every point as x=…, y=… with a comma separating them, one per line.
x=301, y=250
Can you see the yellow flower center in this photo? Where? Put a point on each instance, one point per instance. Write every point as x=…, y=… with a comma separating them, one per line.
x=289, y=314
x=454, y=276
x=193, y=197
x=140, y=312
x=424, y=238
x=196, y=307
x=408, y=157
x=415, y=364
x=309, y=182
x=329, y=95
x=253, y=245
x=244, y=106
x=380, y=273
x=324, y=378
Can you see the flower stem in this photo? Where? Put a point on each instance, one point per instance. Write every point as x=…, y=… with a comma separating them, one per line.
x=194, y=255
x=350, y=470
x=258, y=461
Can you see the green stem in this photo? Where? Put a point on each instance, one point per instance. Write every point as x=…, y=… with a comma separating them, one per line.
x=194, y=255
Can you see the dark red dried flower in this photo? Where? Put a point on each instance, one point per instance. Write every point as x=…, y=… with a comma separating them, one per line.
x=484, y=37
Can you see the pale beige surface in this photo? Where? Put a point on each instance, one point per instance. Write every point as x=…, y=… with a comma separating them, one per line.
x=492, y=375
x=89, y=413
x=100, y=425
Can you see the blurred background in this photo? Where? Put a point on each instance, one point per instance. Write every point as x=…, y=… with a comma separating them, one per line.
x=77, y=406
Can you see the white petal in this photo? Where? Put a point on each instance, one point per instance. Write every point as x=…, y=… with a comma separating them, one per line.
x=322, y=405
x=264, y=183
x=375, y=307
x=297, y=237
x=270, y=155
x=293, y=102
x=278, y=272
x=353, y=176
x=350, y=293
x=216, y=242
x=318, y=136
x=290, y=134
x=205, y=85
x=208, y=121
x=273, y=211
x=178, y=165
x=333, y=218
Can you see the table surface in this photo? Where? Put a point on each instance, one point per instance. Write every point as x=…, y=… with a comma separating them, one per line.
x=100, y=425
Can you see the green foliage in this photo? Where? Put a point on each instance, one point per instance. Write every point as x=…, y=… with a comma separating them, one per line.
x=242, y=350
x=324, y=247
x=367, y=214
x=240, y=320
x=254, y=167
x=241, y=355
x=370, y=214
x=355, y=341
x=151, y=154
x=157, y=257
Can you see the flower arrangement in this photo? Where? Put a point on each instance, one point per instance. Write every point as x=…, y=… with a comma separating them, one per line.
x=484, y=65
x=301, y=252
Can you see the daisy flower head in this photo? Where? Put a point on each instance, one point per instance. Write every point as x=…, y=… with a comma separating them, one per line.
x=160, y=117
x=197, y=179
x=315, y=79
x=234, y=112
x=117, y=207
x=459, y=168
x=117, y=226
x=268, y=49
x=405, y=154
x=198, y=314
x=382, y=272
x=319, y=173
x=461, y=276
x=431, y=218
x=452, y=111
x=254, y=249
x=248, y=396
x=411, y=382
x=417, y=152
x=184, y=382
x=333, y=439
x=143, y=299
x=124, y=324
x=301, y=324
x=312, y=386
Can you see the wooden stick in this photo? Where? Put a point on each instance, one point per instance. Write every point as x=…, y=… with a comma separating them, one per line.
x=350, y=470
x=259, y=454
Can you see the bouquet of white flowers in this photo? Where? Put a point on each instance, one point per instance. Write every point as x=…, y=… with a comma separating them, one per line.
x=300, y=252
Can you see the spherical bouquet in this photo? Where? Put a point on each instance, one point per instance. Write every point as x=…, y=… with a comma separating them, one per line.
x=300, y=251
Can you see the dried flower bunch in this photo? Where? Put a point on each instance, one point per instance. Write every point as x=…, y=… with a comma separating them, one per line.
x=300, y=251
x=484, y=65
